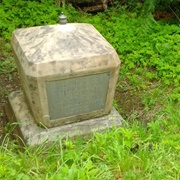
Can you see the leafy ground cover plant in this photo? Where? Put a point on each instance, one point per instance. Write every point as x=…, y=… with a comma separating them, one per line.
x=142, y=44
x=147, y=146
x=7, y=61
x=21, y=14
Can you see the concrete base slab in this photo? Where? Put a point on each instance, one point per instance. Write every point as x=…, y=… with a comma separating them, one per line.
x=31, y=134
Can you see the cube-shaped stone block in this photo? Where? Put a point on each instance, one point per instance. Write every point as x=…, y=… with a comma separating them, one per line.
x=68, y=72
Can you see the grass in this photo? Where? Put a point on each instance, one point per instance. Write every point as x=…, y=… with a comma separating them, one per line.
x=148, y=144
x=130, y=152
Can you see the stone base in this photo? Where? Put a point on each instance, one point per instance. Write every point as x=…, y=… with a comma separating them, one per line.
x=29, y=133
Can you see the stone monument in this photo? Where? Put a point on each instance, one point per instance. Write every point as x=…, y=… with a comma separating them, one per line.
x=68, y=73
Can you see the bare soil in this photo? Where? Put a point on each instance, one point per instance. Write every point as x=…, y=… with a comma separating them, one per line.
x=8, y=83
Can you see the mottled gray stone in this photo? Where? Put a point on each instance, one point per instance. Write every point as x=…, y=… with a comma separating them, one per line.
x=32, y=134
x=47, y=55
x=62, y=49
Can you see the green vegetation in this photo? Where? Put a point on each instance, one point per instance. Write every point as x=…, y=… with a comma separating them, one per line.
x=130, y=152
x=148, y=144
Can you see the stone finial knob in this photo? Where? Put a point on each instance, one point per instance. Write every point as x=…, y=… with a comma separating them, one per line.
x=62, y=19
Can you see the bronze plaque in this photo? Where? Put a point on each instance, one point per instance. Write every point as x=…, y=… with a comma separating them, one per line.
x=79, y=95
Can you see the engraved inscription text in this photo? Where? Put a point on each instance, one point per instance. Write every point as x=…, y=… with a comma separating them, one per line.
x=79, y=95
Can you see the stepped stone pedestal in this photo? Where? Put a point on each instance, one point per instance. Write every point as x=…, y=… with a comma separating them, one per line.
x=28, y=132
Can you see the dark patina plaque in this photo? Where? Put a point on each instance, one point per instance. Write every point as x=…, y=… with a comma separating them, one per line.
x=78, y=95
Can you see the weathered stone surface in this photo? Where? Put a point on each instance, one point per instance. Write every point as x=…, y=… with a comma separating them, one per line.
x=46, y=55
x=32, y=134
x=62, y=49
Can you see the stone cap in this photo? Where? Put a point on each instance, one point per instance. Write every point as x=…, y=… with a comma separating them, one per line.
x=54, y=44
